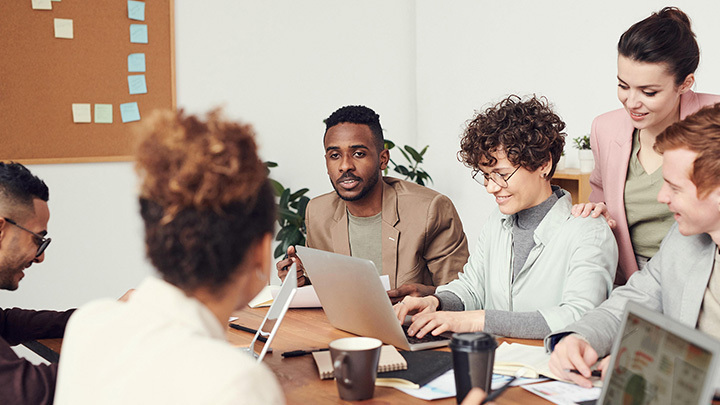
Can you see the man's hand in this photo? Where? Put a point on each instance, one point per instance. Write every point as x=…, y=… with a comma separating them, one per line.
x=436, y=323
x=414, y=290
x=595, y=210
x=284, y=265
x=574, y=353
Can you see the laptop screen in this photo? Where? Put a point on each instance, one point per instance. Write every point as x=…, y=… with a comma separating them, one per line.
x=654, y=364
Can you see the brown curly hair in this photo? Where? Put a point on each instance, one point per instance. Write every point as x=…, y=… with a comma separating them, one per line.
x=204, y=196
x=529, y=133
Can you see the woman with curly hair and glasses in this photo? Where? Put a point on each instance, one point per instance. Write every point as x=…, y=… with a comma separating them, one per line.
x=536, y=268
x=209, y=213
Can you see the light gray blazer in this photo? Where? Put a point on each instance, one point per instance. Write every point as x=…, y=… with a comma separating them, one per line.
x=673, y=282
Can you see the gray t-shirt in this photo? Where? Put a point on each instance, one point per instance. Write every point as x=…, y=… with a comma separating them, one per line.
x=365, y=234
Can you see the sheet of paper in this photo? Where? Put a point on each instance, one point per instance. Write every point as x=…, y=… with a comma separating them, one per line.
x=385, y=280
x=138, y=33
x=305, y=297
x=103, y=114
x=232, y=318
x=137, y=84
x=129, y=112
x=264, y=297
x=441, y=387
x=41, y=5
x=136, y=62
x=63, y=28
x=498, y=380
x=136, y=10
x=563, y=393
x=56, y=1
x=81, y=113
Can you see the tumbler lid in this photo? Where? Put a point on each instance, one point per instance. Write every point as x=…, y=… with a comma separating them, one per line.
x=473, y=341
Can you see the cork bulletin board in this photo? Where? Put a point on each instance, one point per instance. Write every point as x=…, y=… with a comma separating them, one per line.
x=77, y=76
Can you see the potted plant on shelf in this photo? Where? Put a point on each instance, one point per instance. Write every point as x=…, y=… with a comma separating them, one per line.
x=582, y=143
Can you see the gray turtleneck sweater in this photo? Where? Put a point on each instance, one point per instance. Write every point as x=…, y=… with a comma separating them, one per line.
x=531, y=325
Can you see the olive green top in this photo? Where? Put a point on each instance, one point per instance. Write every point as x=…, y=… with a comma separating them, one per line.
x=648, y=220
x=365, y=234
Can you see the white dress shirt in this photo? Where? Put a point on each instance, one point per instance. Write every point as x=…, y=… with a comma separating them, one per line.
x=160, y=347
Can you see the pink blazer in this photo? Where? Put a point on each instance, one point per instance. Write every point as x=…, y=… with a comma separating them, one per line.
x=611, y=143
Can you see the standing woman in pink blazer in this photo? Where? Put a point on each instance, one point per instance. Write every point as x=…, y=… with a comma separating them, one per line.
x=657, y=59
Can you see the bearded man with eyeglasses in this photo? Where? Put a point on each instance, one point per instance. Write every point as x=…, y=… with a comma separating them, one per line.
x=24, y=216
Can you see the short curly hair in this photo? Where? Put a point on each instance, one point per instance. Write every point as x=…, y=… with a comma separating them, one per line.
x=358, y=114
x=529, y=133
x=204, y=196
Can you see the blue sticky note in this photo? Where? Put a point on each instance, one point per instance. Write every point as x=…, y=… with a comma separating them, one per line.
x=136, y=10
x=137, y=84
x=129, y=112
x=136, y=62
x=138, y=33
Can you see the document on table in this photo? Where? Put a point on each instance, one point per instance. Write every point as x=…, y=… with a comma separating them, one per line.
x=444, y=386
x=304, y=298
x=563, y=393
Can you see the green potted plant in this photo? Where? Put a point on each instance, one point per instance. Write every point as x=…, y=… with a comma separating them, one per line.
x=582, y=143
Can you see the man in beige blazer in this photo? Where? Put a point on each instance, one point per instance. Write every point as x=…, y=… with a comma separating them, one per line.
x=412, y=233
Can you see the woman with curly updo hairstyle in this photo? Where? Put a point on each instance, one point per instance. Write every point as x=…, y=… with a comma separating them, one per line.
x=209, y=214
x=536, y=268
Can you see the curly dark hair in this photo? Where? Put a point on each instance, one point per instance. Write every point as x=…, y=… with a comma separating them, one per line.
x=358, y=114
x=664, y=37
x=204, y=196
x=529, y=133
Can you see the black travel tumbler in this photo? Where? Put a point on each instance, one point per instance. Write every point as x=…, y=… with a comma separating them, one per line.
x=473, y=358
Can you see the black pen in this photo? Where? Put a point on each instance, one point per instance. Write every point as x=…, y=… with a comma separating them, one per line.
x=594, y=373
x=249, y=330
x=496, y=393
x=298, y=353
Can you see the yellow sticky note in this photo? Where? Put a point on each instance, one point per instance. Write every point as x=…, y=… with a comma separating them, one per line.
x=81, y=113
x=41, y=5
x=64, y=28
x=103, y=114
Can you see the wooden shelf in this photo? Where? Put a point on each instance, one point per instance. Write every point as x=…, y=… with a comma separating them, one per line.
x=574, y=181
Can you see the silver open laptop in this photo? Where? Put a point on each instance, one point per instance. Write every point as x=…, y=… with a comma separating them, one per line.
x=354, y=299
x=657, y=360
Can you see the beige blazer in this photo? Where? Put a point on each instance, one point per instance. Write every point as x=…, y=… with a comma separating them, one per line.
x=422, y=236
x=611, y=142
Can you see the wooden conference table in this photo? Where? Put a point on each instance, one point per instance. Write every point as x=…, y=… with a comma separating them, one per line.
x=298, y=376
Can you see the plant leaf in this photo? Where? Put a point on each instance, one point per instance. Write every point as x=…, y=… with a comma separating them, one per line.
x=277, y=187
x=284, y=198
x=389, y=144
x=294, y=196
x=418, y=158
x=279, y=251
x=407, y=157
x=270, y=164
x=402, y=170
x=301, y=206
x=424, y=150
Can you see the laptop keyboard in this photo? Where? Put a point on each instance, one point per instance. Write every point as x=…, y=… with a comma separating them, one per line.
x=427, y=338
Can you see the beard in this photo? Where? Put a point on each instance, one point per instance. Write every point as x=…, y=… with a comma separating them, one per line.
x=371, y=182
x=8, y=275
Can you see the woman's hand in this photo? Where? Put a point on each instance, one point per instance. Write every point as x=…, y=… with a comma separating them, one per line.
x=594, y=210
x=436, y=323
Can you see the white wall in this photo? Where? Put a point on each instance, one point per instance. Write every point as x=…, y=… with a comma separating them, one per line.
x=284, y=66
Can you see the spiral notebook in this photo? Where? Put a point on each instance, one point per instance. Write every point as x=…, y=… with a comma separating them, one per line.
x=390, y=360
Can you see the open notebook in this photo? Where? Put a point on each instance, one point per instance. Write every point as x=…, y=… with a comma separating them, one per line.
x=390, y=360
